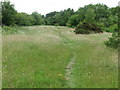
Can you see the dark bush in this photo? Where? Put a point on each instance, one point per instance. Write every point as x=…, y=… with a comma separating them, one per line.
x=87, y=28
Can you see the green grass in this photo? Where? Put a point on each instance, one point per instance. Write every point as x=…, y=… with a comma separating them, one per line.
x=95, y=67
x=37, y=56
x=0, y=57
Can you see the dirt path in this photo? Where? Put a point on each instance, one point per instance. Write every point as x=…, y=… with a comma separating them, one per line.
x=70, y=67
x=69, y=72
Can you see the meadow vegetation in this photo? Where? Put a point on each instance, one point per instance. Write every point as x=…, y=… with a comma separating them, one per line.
x=0, y=57
x=37, y=57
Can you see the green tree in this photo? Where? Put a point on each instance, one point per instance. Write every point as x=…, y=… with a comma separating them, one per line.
x=59, y=18
x=49, y=18
x=73, y=20
x=114, y=41
x=38, y=18
x=0, y=14
x=8, y=13
x=89, y=16
x=23, y=19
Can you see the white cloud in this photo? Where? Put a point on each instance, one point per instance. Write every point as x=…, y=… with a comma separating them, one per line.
x=46, y=6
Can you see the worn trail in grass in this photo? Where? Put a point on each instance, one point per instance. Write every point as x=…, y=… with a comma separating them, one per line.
x=69, y=72
x=69, y=68
x=55, y=57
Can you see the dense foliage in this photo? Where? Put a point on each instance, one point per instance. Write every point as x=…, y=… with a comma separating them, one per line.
x=98, y=14
x=23, y=19
x=114, y=41
x=38, y=18
x=59, y=18
x=87, y=28
x=8, y=13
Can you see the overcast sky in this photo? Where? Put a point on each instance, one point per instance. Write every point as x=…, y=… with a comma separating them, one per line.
x=46, y=6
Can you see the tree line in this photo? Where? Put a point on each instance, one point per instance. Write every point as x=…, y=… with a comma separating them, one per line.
x=93, y=17
x=99, y=14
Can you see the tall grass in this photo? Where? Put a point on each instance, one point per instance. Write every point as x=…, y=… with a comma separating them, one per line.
x=33, y=61
x=37, y=56
x=96, y=67
x=0, y=57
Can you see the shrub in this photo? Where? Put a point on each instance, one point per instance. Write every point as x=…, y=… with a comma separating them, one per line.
x=113, y=41
x=87, y=28
x=8, y=30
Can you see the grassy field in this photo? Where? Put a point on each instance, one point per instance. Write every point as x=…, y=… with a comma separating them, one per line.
x=55, y=57
x=0, y=57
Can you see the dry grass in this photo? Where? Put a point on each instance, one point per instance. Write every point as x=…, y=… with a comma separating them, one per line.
x=43, y=38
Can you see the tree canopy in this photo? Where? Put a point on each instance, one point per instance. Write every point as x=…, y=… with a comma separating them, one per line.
x=38, y=18
x=8, y=13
